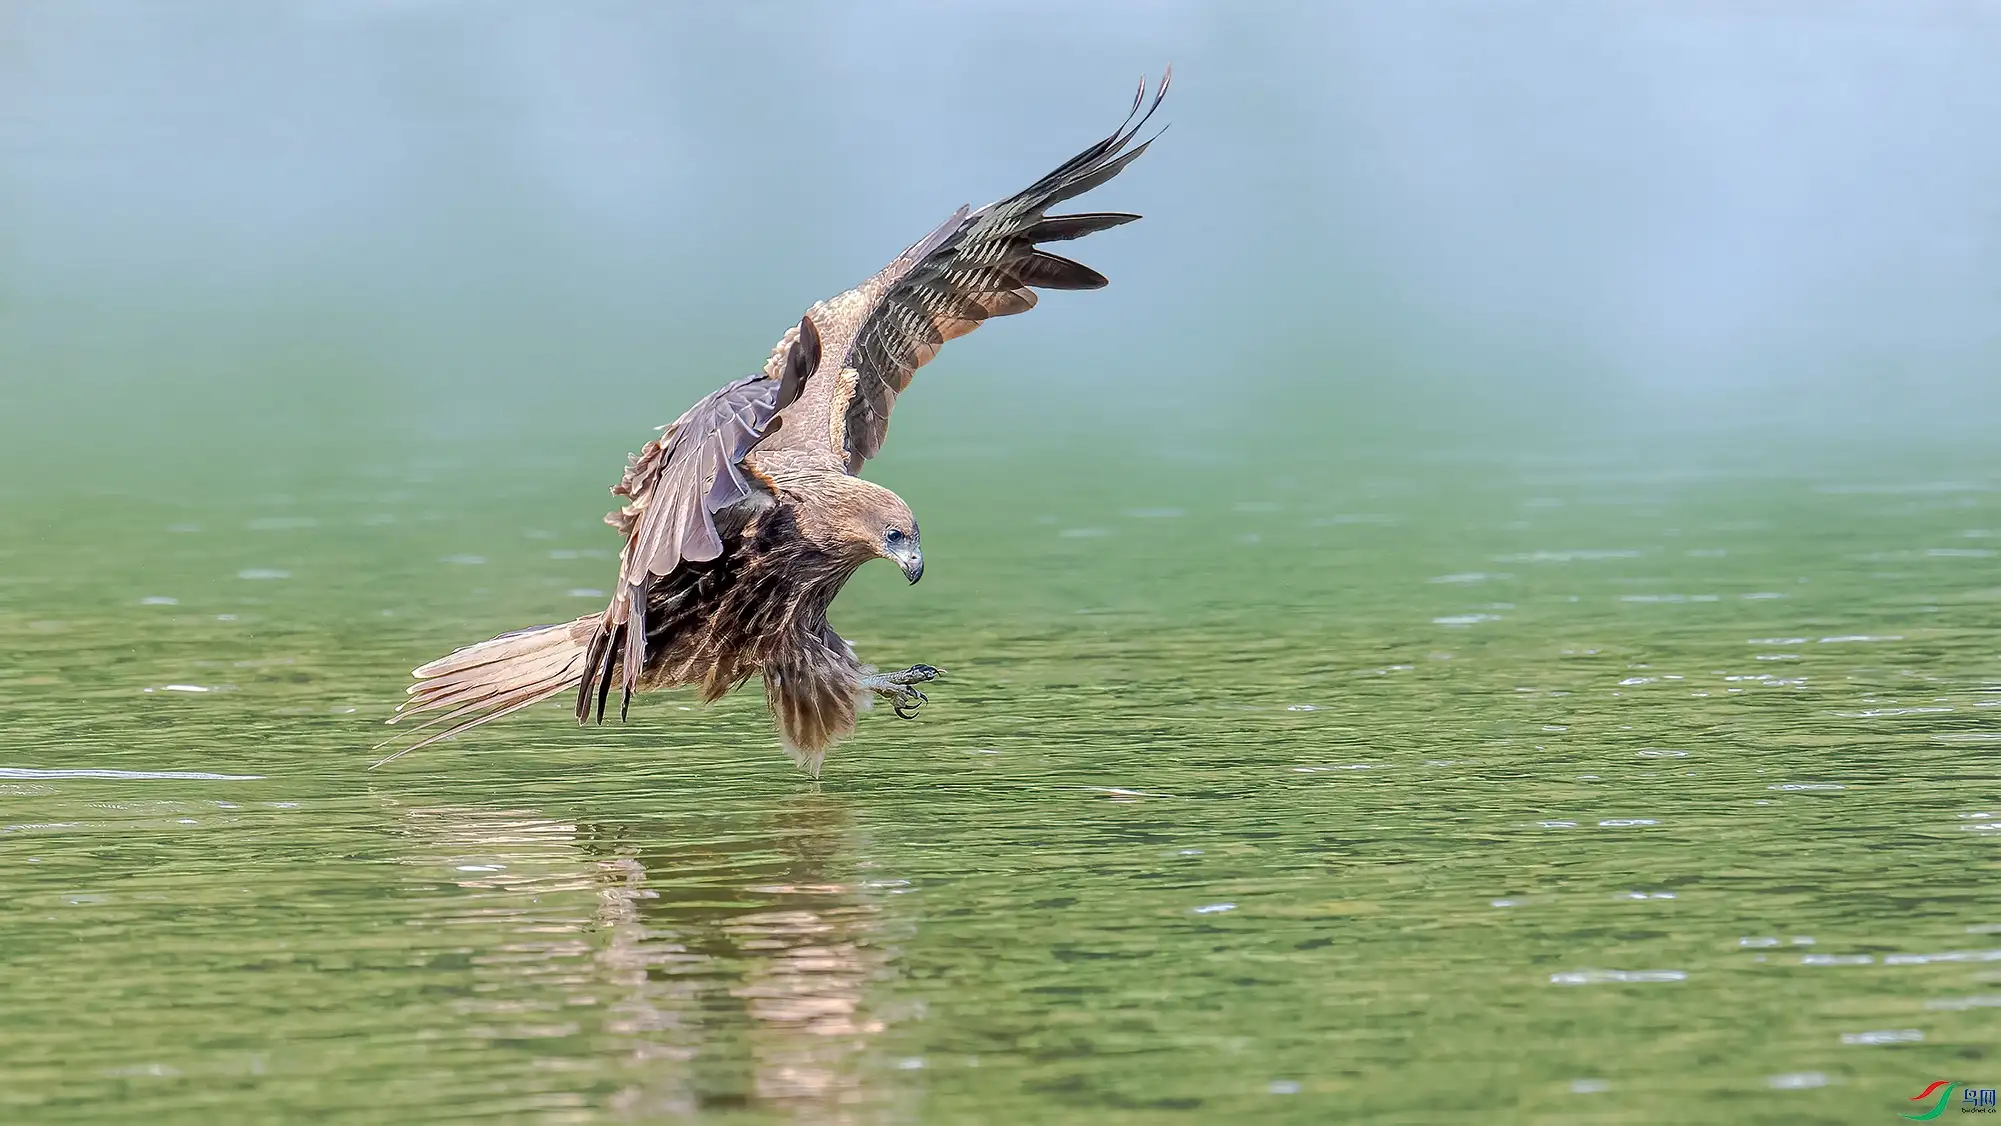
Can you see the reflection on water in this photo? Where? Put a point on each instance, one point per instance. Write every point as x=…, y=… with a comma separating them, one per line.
x=729, y=971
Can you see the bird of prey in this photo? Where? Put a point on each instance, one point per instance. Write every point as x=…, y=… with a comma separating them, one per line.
x=746, y=516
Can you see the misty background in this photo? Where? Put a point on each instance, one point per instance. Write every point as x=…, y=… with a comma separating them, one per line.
x=235, y=237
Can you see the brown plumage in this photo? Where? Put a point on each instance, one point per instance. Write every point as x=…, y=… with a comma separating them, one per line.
x=744, y=519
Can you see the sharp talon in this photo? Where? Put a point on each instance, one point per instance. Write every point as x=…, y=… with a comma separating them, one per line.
x=901, y=688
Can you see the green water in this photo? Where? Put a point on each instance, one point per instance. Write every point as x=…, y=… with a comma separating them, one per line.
x=1395, y=786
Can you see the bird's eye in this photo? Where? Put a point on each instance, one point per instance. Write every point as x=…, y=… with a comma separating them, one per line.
x=892, y=536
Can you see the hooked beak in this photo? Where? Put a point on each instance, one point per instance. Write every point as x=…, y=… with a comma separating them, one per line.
x=911, y=559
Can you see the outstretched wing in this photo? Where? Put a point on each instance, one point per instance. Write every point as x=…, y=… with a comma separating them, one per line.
x=979, y=264
x=674, y=487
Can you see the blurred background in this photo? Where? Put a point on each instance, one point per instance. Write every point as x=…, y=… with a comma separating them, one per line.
x=1493, y=609
x=236, y=238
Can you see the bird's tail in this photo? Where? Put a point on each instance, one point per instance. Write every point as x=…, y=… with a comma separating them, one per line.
x=483, y=682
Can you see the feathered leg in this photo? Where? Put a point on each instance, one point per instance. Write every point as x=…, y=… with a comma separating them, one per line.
x=815, y=692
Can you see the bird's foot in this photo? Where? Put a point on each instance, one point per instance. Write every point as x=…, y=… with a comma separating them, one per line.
x=901, y=688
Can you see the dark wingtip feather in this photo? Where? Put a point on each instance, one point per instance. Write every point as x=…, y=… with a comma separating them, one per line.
x=599, y=651
x=1053, y=271
x=634, y=658
x=603, y=678
x=1062, y=228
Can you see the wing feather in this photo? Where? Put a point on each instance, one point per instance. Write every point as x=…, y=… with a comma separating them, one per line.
x=674, y=487
x=1053, y=271
x=977, y=265
x=1062, y=228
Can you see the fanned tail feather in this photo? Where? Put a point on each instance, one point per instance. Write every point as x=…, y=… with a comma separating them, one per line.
x=481, y=683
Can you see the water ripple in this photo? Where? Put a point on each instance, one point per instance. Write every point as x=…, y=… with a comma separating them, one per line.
x=1604, y=977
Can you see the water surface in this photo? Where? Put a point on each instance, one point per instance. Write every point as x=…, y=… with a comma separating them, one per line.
x=1379, y=785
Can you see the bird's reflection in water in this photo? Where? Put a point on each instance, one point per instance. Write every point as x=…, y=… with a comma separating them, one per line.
x=723, y=961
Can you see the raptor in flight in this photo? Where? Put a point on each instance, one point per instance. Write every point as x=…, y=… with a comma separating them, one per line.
x=744, y=519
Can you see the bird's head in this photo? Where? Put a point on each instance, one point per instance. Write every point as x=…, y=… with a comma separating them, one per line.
x=900, y=546
x=874, y=522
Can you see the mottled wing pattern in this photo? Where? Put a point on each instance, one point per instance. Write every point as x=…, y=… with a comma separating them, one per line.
x=674, y=487
x=978, y=264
